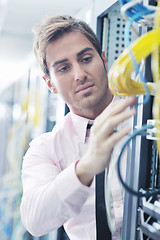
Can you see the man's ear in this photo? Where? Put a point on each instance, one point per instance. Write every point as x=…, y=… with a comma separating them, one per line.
x=50, y=84
x=105, y=61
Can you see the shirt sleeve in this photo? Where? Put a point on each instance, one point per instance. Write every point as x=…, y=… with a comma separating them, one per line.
x=50, y=196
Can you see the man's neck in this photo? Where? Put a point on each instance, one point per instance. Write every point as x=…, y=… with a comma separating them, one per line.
x=92, y=113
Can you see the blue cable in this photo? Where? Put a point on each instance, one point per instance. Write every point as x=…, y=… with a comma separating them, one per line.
x=135, y=64
x=135, y=9
x=146, y=193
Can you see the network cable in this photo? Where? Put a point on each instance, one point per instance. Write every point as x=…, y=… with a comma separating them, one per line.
x=133, y=7
x=109, y=175
x=120, y=81
x=136, y=65
x=146, y=193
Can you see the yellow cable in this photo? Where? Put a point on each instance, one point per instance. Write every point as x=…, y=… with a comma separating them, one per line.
x=120, y=81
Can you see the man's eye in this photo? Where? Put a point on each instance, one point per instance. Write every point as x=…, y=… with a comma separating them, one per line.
x=63, y=69
x=86, y=59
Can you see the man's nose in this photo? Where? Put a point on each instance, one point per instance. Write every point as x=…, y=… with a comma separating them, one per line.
x=79, y=72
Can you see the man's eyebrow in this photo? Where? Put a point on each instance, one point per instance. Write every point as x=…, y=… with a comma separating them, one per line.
x=78, y=55
x=60, y=61
x=83, y=51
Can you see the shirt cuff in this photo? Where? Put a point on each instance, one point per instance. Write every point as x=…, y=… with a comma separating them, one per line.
x=70, y=189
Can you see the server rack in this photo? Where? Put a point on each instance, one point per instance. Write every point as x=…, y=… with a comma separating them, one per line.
x=141, y=215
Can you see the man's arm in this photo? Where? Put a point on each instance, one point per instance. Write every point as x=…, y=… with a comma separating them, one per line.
x=50, y=196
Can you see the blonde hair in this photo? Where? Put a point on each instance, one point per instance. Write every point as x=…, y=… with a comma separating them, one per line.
x=53, y=28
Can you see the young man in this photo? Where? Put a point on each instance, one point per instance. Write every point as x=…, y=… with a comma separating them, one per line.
x=59, y=168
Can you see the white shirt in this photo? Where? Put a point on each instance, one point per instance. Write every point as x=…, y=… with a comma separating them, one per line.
x=52, y=193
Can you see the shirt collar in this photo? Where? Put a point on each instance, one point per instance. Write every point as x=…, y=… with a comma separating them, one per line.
x=80, y=125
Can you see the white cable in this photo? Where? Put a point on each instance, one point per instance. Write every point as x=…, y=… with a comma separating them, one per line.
x=107, y=194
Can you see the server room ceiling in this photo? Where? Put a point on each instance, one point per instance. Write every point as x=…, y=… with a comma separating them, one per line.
x=17, y=18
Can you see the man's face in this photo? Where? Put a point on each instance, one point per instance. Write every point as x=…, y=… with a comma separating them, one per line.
x=77, y=72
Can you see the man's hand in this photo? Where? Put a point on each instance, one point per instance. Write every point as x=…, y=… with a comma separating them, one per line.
x=103, y=139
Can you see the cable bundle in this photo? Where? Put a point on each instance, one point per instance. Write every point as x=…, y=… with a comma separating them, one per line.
x=120, y=81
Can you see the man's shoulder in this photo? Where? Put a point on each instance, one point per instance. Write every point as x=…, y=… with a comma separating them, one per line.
x=60, y=127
